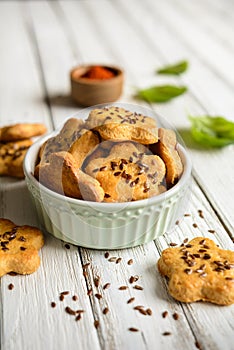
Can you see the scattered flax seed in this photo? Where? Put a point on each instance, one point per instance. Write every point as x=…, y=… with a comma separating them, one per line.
x=198, y=345
x=149, y=312
x=61, y=297
x=75, y=297
x=229, y=279
x=65, y=292
x=203, y=241
x=138, y=287
x=105, y=310
x=211, y=231
x=185, y=240
x=131, y=279
x=98, y=296
x=106, y=286
x=130, y=261
x=166, y=333
x=53, y=304
x=123, y=287
x=118, y=260
x=131, y=300
x=177, y=222
x=186, y=214
x=138, y=307
x=195, y=225
x=106, y=255
x=96, y=324
x=200, y=212
x=133, y=329
x=188, y=271
x=143, y=312
x=89, y=292
x=175, y=316
x=11, y=286
x=112, y=259
x=67, y=246
x=78, y=317
x=165, y=314
x=80, y=311
x=70, y=311
x=97, y=281
x=173, y=244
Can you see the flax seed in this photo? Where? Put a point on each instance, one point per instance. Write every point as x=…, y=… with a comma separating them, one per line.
x=211, y=231
x=133, y=329
x=131, y=300
x=53, y=304
x=78, y=317
x=98, y=296
x=123, y=287
x=166, y=333
x=75, y=297
x=106, y=286
x=97, y=281
x=112, y=259
x=175, y=316
x=96, y=324
x=185, y=240
x=130, y=261
x=173, y=244
x=165, y=314
x=143, y=312
x=11, y=286
x=70, y=311
x=198, y=345
x=118, y=260
x=149, y=312
x=195, y=225
x=105, y=311
x=67, y=246
x=138, y=287
x=106, y=255
x=61, y=297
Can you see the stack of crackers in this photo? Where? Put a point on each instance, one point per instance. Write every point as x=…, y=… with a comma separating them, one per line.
x=114, y=156
x=14, y=143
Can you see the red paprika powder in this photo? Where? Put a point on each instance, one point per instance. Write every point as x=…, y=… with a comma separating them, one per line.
x=98, y=72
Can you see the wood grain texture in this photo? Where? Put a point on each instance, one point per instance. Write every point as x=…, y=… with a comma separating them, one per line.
x=51, y=38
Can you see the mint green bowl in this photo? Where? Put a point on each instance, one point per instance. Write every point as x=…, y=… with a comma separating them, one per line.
x=107, y=225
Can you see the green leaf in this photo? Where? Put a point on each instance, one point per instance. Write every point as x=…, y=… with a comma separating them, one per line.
x=212, y=131
x=174, y=69
x=161, y=93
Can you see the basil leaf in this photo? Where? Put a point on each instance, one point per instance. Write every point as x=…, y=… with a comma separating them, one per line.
x=161, y=93
x=212, y=131
x=174, y=69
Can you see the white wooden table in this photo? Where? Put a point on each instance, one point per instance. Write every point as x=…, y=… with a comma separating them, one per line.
x=39, y=43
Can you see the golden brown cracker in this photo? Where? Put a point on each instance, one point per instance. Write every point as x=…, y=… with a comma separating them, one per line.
x=21, y=131
x=19, y=248
x=114, y=123
x=199, y=270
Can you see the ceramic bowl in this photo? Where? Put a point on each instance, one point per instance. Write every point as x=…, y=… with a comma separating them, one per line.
x=89, y=92
x=107, y=225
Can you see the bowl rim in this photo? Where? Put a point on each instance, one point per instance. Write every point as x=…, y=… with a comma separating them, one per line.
x=29, y=169
x=88, y=81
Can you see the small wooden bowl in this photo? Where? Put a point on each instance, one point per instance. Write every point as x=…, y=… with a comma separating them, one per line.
x=88, y=92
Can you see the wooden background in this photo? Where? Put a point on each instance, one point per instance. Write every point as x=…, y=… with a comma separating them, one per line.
x=40, y=41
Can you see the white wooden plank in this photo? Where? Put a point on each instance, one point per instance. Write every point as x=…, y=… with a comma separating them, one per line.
x=208, y=91
x=57, y=58
x=22, y=95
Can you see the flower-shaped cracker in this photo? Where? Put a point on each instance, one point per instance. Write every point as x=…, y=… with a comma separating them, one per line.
x=199, y=270
x=19, y=247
